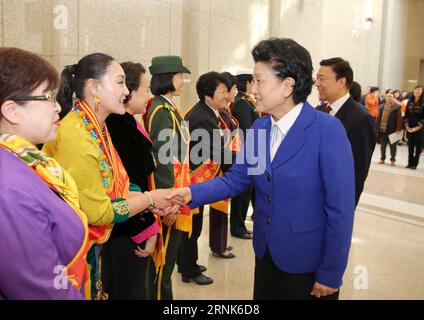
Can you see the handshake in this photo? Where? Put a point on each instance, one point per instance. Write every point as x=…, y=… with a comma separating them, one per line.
x=167, y=202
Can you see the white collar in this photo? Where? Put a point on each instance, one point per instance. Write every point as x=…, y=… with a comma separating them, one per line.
x=214, y=110
x=286, y=122
x=170, y=101
x=336, y=105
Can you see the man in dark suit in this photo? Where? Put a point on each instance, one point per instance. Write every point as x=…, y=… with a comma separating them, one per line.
x=334, y=79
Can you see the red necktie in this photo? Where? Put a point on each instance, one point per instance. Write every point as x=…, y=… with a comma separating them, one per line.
x=328, y=108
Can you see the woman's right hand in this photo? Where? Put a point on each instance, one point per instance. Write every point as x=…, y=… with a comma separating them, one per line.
x=181, y=194
x=161, y=201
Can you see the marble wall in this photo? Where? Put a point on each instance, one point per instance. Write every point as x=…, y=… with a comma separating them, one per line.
x=332, y=28
x=219, y=34
x=1, y=25
x=394, y=46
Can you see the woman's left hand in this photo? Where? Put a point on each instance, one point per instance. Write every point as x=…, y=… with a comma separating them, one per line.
x=149, y=248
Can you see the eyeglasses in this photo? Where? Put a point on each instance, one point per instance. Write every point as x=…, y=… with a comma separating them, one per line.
x=45, y=97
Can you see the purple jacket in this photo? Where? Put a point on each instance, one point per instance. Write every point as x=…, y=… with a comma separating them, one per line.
x=39, y=232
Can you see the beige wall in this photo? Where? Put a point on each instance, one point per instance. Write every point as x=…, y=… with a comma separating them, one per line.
x=219, y=34
x=415, y=44
x=1, y=25
x=394, y=45
x=334, y=28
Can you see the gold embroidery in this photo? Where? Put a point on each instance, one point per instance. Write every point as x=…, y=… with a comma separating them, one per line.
x=121, y=207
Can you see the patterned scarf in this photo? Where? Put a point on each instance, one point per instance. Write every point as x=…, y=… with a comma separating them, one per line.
x=387, y=109
x=50, y=171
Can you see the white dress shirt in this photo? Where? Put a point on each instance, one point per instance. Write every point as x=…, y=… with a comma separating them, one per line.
x=280, y=128
x=336, y=105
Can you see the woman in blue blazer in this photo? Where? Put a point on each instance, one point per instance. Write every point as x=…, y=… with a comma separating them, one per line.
x=300, y=162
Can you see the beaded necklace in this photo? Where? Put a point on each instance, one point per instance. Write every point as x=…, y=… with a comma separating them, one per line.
x=101, y=140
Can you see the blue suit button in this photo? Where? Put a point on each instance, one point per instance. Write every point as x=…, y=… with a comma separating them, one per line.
x=268, y=220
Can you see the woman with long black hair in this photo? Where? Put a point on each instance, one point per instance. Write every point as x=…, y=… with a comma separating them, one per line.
x=414, y=123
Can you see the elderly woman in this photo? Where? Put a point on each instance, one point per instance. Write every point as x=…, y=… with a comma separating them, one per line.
x=244, y=111
x=42, y=228
x=301, y=164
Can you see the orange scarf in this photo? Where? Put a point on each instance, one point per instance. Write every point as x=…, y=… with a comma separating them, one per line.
x=119, y=187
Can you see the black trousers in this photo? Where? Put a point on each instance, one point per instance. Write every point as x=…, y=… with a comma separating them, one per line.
x=271, y=283
x=161, y=284
x=415, y=143
x=239, y=207
x=384, y=141
x=123, y=273
x=189, y=251
x=218, y=230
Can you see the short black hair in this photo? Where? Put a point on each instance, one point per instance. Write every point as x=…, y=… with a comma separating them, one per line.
x=133, y=71
x=242, y=80
x=355, y=91
x=341, y=68
x=207, y=84
x=162, y=84
x=289, y=59
x=374, y=89
x=230, y=80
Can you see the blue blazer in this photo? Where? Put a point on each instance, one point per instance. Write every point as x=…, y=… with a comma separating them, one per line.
x=305, y=198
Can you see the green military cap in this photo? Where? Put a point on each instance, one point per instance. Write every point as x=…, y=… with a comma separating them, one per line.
x=167, y=64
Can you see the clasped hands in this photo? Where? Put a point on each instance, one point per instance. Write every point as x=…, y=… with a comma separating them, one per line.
x=168, y=202
x=412, y=130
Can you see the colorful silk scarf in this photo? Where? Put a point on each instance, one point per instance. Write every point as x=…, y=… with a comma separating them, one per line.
x=50, y=171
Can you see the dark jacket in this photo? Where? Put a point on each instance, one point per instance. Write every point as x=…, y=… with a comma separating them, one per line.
x=203, y=117
x=414, y=116
x=360, y=131
x=134, y=149
x=244, y=111
x=394, y=123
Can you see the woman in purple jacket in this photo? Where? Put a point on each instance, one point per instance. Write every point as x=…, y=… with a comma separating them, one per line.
x=43, y=232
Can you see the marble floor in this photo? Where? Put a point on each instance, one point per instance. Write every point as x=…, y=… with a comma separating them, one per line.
x=387, y=254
